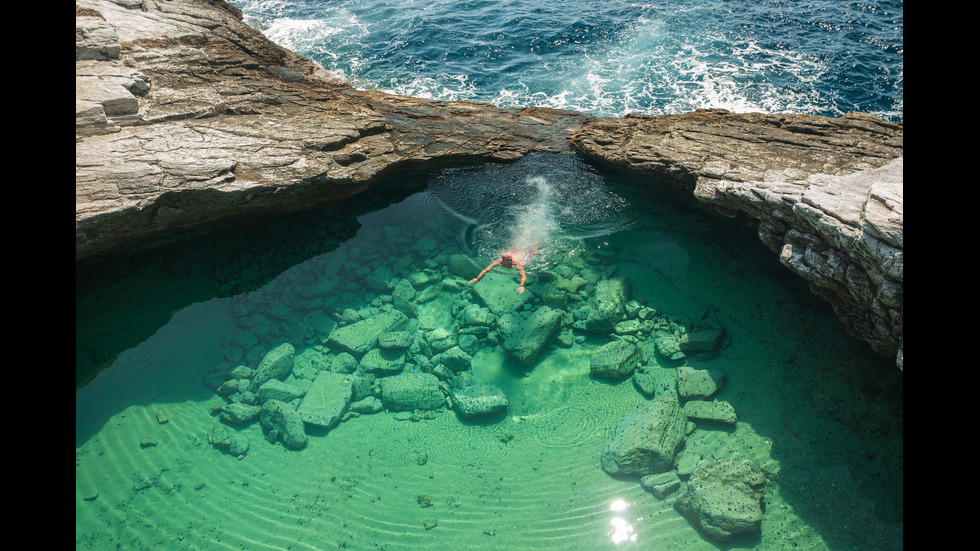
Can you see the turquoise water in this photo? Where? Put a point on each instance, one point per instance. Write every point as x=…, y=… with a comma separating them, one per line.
x=821, y=57
x=818, y=413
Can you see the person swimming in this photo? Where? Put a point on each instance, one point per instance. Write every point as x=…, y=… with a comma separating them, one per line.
x=507, y=260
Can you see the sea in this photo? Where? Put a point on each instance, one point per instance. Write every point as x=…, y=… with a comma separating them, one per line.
x=611, y=58
x=173, y=452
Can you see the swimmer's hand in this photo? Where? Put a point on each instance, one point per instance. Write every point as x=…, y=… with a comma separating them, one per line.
x=474, y=280
x=520, y=289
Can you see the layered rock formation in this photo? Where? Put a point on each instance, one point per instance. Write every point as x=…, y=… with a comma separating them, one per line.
x=826, y=195
x=185, y=115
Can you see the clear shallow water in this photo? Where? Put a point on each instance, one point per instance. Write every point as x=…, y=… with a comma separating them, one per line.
x=823, y=57
x=818, y=411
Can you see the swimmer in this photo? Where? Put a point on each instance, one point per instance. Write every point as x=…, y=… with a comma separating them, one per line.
x=507, y=260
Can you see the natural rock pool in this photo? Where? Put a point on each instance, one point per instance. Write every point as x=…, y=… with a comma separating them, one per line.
x=471, y=416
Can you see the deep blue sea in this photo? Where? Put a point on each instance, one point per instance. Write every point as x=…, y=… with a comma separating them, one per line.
x=610, y=58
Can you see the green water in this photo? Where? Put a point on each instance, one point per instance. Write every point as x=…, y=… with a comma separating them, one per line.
x=817, y=411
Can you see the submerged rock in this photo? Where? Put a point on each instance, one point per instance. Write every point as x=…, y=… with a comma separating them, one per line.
x=646, y=440
x=498, y=292
x=478, y=400
x=661, y=484
x=668, y=346
x=696, y=384
x=237, y=413
x=615, y=360
x=706, y=340
x=529, y=336
x=411, y=390
x=274, y=389
x=238, y=444
x=359, y=337
x=276, y=364
x=715, y=411
x=281, y=419
x=456, y=359
x=723, y=498
x=382, y=361
x=327, y=399
x=608, y=306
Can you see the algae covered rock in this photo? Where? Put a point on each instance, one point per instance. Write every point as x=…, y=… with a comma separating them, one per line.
x=455, y=359
x=615, y=360
x=723, y=498
x=646, y=440
x=714, y=411
x=668, y=346
x=382, y=361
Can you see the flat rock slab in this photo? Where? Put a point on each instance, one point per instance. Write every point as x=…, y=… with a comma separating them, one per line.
x=697, y=384
x=532, y=334
x=713, y=411
x=327, y=399
x=615, y=360
x=359, y=337
x=498, y=292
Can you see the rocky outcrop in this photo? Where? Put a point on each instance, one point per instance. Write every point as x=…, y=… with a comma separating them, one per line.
x=185, y=115
x=825, y=194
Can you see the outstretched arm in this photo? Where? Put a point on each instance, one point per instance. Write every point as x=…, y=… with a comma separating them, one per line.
x=494, y=264
x=520, y=268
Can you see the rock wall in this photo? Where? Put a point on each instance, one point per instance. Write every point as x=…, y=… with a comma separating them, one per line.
x=185, y=115
x=826, y=195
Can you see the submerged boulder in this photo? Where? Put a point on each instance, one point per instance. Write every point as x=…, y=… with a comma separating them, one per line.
x=646, y=440
x=530, y=335
x=382, y=361
x=698, y=383
x=615, y=360
x=359, y=337
x=327, y=399
x=281, y=420
x=477, y=400
x=608, y=306
x=411, y=390
x=723, y=498
x=713, y=411
x=276, y=364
